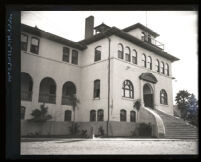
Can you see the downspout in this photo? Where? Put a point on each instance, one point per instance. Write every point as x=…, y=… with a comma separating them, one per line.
x=108, y=87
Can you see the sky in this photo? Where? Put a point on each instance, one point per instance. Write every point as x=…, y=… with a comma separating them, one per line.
x=178, y=31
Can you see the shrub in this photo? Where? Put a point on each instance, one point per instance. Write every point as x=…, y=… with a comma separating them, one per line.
x=143, y=130
x=101, y=131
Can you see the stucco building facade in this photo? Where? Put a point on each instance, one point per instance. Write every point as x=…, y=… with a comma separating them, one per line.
x=108, y=71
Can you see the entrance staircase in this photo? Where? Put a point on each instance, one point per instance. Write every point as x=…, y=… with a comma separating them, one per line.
x=177, y=128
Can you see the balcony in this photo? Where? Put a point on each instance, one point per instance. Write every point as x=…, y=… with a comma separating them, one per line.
x=154, y=42
x=47, y=98
x=26, y=95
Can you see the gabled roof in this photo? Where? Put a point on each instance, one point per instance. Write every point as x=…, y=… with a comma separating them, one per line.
x=50, y=36
x=130, y=38
x=102, y=27
x=138, y=25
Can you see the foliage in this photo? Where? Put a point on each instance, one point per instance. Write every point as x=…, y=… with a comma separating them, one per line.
x=143, y=130
x=74, y=129
x=83, y=133
x=188, y=105
x=40, y=115
x=101, y=131
x=137, y=104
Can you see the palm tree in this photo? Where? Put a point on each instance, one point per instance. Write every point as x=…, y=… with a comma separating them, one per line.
x=74, y=102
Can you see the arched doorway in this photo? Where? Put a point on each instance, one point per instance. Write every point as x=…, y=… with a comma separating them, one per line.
x=148, y=96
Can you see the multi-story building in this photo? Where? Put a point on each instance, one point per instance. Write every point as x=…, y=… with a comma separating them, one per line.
x=108, y=71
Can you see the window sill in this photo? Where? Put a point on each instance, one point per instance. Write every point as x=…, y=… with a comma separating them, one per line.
x=97, y=98
x=164, y=105
x=125, y=98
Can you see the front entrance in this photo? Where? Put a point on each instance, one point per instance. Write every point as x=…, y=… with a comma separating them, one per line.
x=148, y=96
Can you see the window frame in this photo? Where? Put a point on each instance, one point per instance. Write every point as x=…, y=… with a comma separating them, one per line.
x=162, y=66
x=163, y=97
x=97, y=54
x=128, y=55
x=157, y=66
x=91, y=116
x=100, y=115
x=144, y=59
x=149, y=62
x=67, y=115
x=135, y=116
x=24, y=42
x=130, y=89
x=134, y=57
x=31, y=50
x=66, y=55
x=120, y=52
x=74, y=55
x=123, y=115
x=97, y=81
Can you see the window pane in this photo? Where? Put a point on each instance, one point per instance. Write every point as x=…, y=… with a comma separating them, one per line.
x=97, y=55
x=74, y=57
x=24, y=38
x=34, y=41
x=100, y=115
x=66, y=53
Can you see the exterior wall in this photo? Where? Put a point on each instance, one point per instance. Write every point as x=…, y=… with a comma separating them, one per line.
x=123, y=70
x=48, y=63
x=39, y=66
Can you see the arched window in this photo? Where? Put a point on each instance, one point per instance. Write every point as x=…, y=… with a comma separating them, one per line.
x=167, y=69
x=157, y=66
x=149, y=62
x=26, y=87
x=97, y=56
x=122, y=115
x=144, y=60
x=132, y=116
x=120, y=51
x=23, y=112
x=128, y=90
x=47, y=92
x=24, y=42
x=134, y=57
x=128, y=54
x=34, y=45
x=100, y=115
x=163, y=97
x=162, y=68
x=68, y=90
x=97, y=88
x=92, y=115
x=68, y=115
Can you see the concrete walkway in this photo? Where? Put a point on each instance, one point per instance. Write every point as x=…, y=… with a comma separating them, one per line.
x=114, y=146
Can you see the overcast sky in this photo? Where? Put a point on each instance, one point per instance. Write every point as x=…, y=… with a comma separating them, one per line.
x=177, y=29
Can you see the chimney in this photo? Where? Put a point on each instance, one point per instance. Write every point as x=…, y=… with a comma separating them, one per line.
x=89, y=27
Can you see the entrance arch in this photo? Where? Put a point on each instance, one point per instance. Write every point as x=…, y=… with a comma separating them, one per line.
x=148, y=96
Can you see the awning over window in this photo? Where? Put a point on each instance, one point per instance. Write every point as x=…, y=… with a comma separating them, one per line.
x=148, y=77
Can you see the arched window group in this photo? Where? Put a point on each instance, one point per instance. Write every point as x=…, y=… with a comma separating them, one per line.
x=100, y=115
x=128, y=53
x=163, y=97
x=128, y=90
x=162, y=67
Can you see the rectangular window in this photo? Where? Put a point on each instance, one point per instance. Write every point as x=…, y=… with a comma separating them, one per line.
x=24, y=42
x=75, y=57
x=34, y=45
x=97, y=89
x=97, y=55
x=66, y=54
